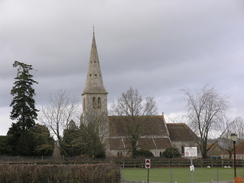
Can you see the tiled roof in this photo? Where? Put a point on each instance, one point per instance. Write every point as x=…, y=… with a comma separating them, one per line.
x=150, y=125
x=119, y=143
x=162, y=143
x=144, y=143
x=180, y=132
x=215, y=149
x=240, y=148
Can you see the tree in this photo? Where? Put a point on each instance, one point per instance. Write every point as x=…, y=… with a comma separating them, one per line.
x=72, y=141
x=59, y=112
x=42, y=141
x=234, y=126
x=205, y=111
x=23, y=103
x=94, y=133
x=237, y=126
x=33, y=142
x=23, y=110
x=136, y=110
x=4, y=146
x=92, y=144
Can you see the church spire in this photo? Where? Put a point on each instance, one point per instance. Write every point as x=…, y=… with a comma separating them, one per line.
x=94, y=81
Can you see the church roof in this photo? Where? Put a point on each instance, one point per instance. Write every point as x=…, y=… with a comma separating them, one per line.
x=181, y=132
x=145, y=143
x=154, y=143
x=149, y=125
x=94, y=81
x=153, y=135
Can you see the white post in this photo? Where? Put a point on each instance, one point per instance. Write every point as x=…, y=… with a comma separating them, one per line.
x=192, y=171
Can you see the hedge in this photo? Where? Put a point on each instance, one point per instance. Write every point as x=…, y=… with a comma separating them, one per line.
x=96, y=173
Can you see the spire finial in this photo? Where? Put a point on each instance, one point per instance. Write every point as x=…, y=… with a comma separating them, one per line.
x=93, y=29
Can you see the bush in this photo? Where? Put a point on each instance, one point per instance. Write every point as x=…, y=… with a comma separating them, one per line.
x=36, y=141
x=4, y=146
x=144, y=153
x=171, y=153
x=102, y=173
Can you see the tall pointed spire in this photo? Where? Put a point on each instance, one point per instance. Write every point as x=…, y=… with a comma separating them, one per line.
x=94, y=81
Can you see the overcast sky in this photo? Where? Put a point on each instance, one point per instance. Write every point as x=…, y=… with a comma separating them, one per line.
x=158, y=47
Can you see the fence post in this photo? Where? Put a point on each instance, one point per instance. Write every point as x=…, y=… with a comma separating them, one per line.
x=217, y=176
x=171, y=176
x=120, y=175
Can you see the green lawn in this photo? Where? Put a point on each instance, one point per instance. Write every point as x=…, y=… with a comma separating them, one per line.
x=181, y=175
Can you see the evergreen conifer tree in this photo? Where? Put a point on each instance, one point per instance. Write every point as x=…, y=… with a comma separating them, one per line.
x=23, y=103
x=23, y=111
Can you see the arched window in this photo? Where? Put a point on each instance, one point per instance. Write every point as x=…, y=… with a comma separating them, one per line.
x=99, y=102
x=94, y=102
x=182, y=149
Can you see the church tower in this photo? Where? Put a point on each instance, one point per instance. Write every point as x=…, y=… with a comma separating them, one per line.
x=94, y=95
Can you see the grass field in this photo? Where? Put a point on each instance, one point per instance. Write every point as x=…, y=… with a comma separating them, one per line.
x=181, y=175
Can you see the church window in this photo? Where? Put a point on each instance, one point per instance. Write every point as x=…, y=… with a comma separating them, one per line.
x=99, y=102
x=182, y=149
x=94, y=102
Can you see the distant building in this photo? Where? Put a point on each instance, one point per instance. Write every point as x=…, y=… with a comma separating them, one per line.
x=158, y=134
x=182, y=136
x=155, y=138
x=215, y=151
x=239, y=152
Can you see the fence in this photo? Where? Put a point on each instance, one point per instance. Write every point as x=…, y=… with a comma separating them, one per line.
x=181, y=163
x=133, y=181
x=125, y=163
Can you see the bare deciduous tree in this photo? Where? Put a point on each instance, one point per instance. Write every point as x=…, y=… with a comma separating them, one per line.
x=234, y=126
x=134, y=111
x=206, y=111
x=59, y=112
x=132, y=104
x=237, y=126
x=94, y=132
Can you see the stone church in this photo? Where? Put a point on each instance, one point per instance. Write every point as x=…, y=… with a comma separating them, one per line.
x=161, y=135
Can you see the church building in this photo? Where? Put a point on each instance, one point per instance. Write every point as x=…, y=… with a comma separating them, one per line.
x=157, y=138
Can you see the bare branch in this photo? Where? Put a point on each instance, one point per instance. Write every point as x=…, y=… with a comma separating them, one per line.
x=59, y=112
x=206, y=111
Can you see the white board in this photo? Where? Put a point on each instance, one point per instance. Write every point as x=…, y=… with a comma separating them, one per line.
x=190, y=151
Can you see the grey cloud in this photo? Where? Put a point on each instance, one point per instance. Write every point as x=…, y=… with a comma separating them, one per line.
x=158, y=47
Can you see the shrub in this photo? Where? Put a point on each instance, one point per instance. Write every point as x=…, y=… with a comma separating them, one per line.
x=171, y=153
x=102, y=173
x=144, y=153
x=4, y=146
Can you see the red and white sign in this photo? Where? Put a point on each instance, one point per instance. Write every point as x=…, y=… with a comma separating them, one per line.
x=147, y=163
